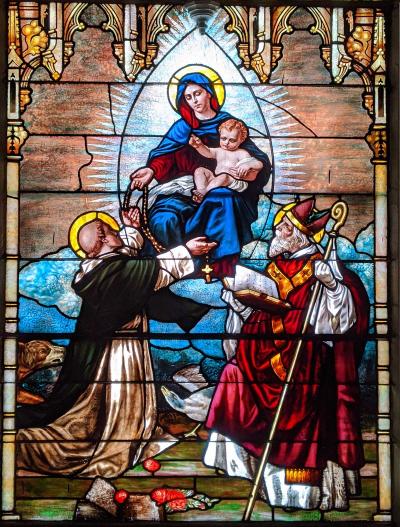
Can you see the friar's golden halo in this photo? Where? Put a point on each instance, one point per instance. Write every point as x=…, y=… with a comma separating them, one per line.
x=83, y=220
x=211, y=75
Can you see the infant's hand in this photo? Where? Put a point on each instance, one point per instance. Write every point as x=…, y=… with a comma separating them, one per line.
x=232, y=172
x=131, y=217
x=242, y=171
x=195, y=141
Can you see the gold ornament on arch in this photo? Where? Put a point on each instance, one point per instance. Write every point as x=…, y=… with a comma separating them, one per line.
x=36, y=38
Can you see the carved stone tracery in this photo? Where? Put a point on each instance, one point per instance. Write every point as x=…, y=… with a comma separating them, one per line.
x=322, y=17
x=147, y=22
x=377, y=137
x=115, y=19
x=280, y=27
x=48, y=32
x=261, y=50
x=351, y=39
x=72, y=23
x=359, y=45
x=14, y=41
x=36, y=39
x=365, y=45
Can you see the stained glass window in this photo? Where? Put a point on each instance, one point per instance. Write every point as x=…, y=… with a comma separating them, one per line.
x=196, y=300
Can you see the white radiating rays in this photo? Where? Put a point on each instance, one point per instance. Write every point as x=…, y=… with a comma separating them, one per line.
x=101, y=173
x=122, y=98
x=108, y=204
x=279, y=113
x=180, y=23
x=195, y=48
x=99, y=178
x=216, y=28
x=289, y=165
x=104, y=122
x=289, y=168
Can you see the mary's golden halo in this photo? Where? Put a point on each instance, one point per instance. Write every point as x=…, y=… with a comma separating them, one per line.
x=211, y=74
x=84, y=219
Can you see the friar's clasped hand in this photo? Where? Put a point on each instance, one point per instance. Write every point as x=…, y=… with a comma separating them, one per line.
x=131, y=217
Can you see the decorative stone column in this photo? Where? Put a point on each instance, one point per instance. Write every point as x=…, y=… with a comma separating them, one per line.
x=377, y=139
x=16, y=135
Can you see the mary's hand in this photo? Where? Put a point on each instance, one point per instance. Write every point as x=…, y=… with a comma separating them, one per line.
x=141, y=177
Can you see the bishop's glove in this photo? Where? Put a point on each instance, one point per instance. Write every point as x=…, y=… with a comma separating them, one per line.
x=323, y=273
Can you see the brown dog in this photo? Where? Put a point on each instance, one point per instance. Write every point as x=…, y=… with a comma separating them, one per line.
x=33, y=356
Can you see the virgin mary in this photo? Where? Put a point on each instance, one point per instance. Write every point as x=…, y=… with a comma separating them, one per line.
x=225, y=215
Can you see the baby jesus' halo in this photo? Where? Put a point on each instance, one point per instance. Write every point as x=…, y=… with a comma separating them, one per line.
x=83, y=220
x=211, y=74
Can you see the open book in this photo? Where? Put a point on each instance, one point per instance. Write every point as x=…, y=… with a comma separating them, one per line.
x=256, y=290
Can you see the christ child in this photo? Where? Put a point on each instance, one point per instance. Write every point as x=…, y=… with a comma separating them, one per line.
x=235, y=167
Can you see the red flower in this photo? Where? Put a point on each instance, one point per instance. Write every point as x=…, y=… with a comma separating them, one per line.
x=162, y=495
x=151, y=465
x=178, y=505
x=121, y=496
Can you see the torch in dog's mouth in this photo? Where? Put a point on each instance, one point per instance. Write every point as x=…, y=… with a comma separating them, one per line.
x=55, y=357
x=56, y=361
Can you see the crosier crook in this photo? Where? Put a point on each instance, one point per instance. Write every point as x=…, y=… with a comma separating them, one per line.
x=339, y=213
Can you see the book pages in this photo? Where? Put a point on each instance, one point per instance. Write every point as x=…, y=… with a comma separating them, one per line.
x=249, y=279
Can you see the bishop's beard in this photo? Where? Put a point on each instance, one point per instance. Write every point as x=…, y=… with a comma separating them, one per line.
x=296, y=241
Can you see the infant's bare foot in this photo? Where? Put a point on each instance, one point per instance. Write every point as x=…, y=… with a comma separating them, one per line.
x=197, y=196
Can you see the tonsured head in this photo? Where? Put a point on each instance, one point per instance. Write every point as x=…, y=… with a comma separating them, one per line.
x=97, y=237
